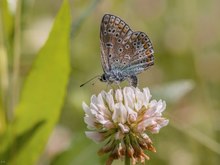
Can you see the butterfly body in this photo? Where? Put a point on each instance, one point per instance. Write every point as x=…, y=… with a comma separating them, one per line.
x=124, y=53
x=115, y=75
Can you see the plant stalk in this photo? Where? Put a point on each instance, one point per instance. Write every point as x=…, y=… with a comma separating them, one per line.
x=127, y=159
x=16, y=60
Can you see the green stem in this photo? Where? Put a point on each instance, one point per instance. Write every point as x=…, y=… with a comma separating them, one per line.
x=4, y=73
x=127, y=143
x=16, y=59
x=127, y=159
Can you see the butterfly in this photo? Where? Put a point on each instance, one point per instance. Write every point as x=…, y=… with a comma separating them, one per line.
x=124, y=52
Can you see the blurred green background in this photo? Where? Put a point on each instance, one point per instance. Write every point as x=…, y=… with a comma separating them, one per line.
x=186, y=74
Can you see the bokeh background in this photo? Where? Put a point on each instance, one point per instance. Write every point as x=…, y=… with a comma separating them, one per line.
x=186, y=74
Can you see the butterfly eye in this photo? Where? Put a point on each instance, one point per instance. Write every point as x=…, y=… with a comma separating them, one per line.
x=103, y=78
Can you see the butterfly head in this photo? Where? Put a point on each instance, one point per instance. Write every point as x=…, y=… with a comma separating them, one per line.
x=103, y=78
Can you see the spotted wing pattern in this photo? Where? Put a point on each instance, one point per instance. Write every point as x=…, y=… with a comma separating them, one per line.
x=123, y=49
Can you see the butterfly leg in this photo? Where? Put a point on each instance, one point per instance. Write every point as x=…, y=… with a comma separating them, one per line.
x=118, y=84
x=133, y=80
x=109, y=84
x=119, y=87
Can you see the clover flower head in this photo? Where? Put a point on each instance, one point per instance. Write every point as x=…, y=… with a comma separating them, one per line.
x=124, y=118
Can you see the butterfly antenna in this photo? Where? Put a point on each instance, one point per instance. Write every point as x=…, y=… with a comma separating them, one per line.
x=89, y=81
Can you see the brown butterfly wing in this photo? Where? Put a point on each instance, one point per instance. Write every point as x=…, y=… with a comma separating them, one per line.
x=122, y=48
x=113, y=32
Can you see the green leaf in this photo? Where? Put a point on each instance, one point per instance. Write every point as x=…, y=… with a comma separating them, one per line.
x=6, y=19
x=2, y=121
x=43, y=93
x=81, y=151
x=3, y=130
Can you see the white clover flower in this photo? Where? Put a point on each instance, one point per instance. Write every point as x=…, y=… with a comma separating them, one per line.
x=124, y=118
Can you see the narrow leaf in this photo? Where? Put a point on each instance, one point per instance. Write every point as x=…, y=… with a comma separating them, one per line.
x=6, y=19
x=43, y=92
